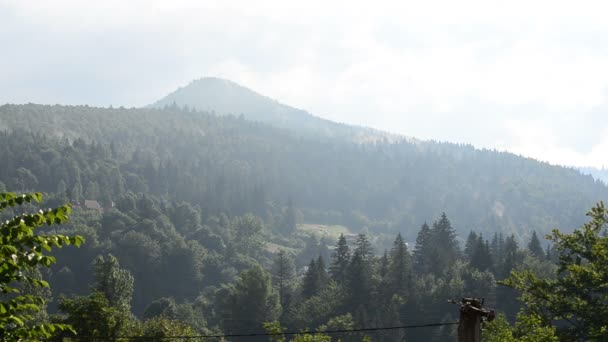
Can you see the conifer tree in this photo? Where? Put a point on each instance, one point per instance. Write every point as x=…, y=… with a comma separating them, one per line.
x=384, y=265
x=364, y=248
x=444, y=245
x=311, y=280
x=322, y=276
x=400, y=267
x=469, y=247
x=283, y=272
x=359, y=281
x=340, y=261
x=535, y=248
x=481, y=258
x=422, y=250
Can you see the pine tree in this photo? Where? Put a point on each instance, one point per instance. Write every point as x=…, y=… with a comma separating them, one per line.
x=471, y=244
x=340, y=261
x=384, y=265
x=444, y=244
x=400, y=267
x=422, y=250
x=509, y=257
x=322, y=276
x=315, y=278
x=359, y=281
x=535, y=248
x=481, y=258
x=282, y=275
x=364, y=248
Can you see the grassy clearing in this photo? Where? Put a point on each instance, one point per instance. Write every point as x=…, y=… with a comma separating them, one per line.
x=331, y=232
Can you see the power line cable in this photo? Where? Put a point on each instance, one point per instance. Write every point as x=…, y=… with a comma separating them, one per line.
x=289, y=333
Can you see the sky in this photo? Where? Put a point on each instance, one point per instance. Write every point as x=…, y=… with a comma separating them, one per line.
x=530, y=77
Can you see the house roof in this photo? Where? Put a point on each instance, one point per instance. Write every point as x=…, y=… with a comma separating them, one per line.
x=92, y=204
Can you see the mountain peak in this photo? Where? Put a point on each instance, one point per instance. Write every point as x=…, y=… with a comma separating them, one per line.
x=225, y=97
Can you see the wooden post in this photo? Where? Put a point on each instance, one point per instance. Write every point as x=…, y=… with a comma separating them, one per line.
x=471, y=314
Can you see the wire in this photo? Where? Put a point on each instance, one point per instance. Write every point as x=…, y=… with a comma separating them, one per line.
x=290, y=333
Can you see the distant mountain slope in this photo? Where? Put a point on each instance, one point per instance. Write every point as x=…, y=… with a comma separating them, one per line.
x=599, y=174
x=226, y=164
x=224, y=97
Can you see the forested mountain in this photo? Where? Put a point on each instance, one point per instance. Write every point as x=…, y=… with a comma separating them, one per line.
x=223, y=97
x=600, y=174
x=217, y=224
x=228, y=164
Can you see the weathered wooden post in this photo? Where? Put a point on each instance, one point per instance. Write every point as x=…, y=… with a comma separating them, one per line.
x=471, y=315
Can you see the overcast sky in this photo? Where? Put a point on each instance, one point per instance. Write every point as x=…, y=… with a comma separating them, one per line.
x=530, y=77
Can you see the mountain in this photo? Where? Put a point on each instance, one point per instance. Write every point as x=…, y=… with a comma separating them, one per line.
x=599, y=174
x=224, y=97
x=231, y=165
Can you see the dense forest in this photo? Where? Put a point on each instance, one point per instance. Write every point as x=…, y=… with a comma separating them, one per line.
x=217, y=225
x=230, y=165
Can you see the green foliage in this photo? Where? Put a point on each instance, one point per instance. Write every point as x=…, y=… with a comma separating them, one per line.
x=528, y=328
x=340, y=261
x=162, y=327
x=93, y=317
x=22, y=251
x=575, y=300
x=250, y=302
x=276, y=329
x=114, y=282
x=534, y=246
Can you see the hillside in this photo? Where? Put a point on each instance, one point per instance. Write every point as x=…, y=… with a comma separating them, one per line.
x=227, y=164
x=599, y=174
x=224, y=97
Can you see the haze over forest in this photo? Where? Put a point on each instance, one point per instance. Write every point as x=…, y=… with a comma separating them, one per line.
x=238, y=170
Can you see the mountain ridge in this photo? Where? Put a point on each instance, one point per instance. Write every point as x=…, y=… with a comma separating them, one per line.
x=225, y=97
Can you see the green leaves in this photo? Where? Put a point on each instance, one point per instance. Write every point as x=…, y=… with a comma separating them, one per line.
x=577, y=298
x=11, y=199
x=21, y=252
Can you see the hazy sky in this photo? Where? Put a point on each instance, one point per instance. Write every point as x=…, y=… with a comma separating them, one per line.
x=527, y=76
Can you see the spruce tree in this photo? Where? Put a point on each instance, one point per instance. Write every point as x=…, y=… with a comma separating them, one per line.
x=471, y=244
x=481, y=258
x=283, y=272
x=359, y=283
x=535, y=248
x=444, y=244
x=384, y=265
x=422, y=250
x=340, y=261
x=364, y=248
x=310, y=285
x=322, y=276
x=400, y=267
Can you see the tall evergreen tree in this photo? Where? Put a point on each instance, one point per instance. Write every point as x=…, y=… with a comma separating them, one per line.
x=384, y=265
x=359, y=281
x=364, y=248
x=311, y=282
x=471, y=244
x=535, y=248
x=283, y=272
x=444, y=245
x=340, y=261
x=323, y=277
x=400, y=267
x=423, y=250
x=481, y=258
